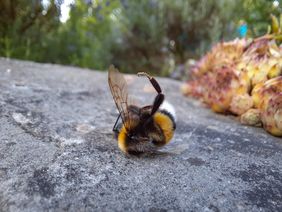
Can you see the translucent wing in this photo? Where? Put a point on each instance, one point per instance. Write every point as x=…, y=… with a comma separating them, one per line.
x=119, y=91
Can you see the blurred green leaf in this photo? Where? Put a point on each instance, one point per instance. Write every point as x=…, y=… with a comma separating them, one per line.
x=148, y=35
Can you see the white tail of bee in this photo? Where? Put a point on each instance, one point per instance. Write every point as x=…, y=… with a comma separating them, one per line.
x=168, y=107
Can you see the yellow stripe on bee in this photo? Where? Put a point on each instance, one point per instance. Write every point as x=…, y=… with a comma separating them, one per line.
x=122, y=139
x=165, y=124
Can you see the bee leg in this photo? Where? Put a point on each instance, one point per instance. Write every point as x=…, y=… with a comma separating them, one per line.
x=160, y=97
x=157, y=103
x=152, y=80
x=115, y=128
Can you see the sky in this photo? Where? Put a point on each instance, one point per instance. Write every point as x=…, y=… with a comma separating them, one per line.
x=65, y=8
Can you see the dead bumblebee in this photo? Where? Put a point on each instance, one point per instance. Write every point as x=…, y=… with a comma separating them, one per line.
x=143, y=128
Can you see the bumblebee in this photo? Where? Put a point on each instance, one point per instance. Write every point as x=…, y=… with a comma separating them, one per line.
x=142, y=129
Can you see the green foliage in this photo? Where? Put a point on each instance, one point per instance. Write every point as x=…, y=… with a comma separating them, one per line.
x=147, y=35
x=24, y=27
x=87, y=38
x=257, y=13
x=143, y=36
x=154, y=33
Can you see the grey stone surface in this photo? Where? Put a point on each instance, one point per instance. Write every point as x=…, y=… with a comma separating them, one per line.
x=57, y=151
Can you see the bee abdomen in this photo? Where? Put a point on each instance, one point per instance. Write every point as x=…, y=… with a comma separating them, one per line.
x=167, y=124
x=170, y=116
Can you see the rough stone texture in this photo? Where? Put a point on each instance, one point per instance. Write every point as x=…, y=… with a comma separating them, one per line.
x=57, y=151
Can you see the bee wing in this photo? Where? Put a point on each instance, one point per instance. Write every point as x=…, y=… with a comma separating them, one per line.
x=119, y=92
